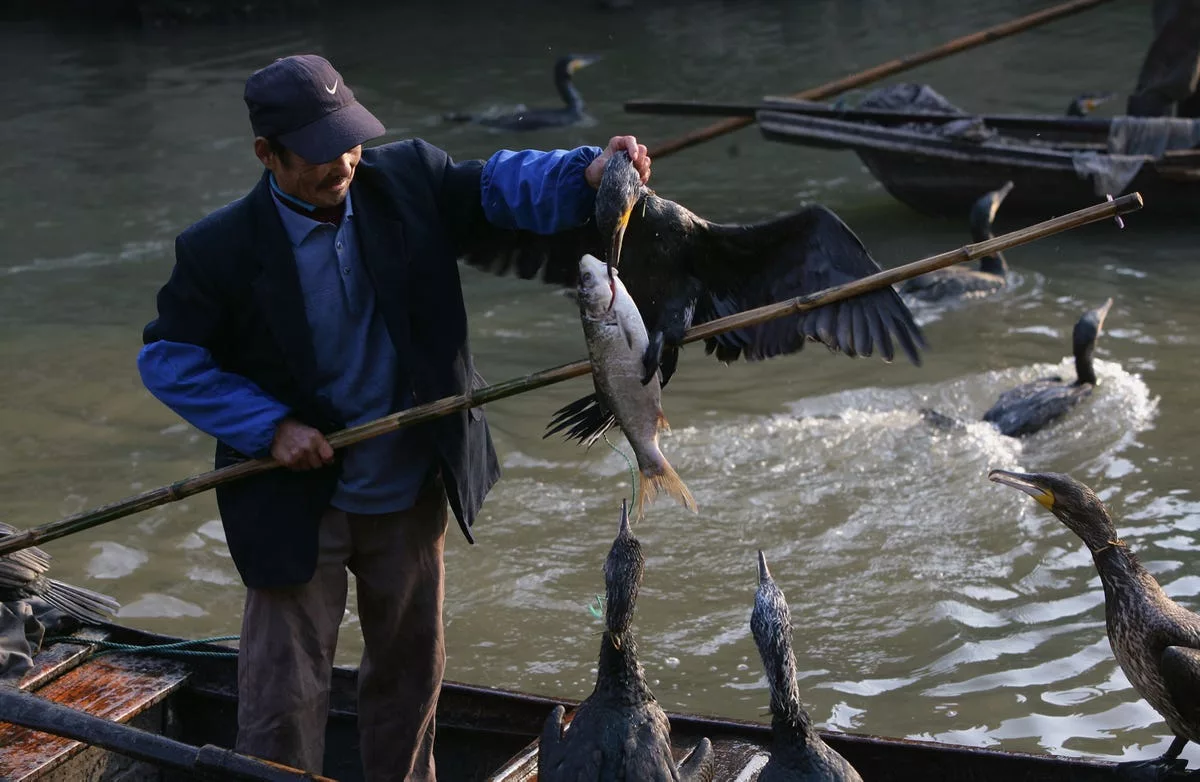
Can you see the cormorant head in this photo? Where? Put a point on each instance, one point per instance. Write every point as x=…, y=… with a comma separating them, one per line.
x=566, y=66
x=620, y=189
x=622, y=578
x=983, y=212
x=1074, y=504
x=1083, y=341
x=771, y=626
x=1083, y=104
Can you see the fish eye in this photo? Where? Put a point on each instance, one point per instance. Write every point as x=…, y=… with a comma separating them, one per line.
x=587, y=276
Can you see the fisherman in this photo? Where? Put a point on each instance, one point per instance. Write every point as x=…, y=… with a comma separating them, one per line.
x=1168, y=80
x=329, y=295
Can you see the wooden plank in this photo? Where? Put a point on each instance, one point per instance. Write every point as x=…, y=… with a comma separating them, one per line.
x=55, y=660
x=116, y=687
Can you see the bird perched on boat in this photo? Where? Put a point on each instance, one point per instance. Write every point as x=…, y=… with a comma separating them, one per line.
x=960, y=282
x=683, y=270
x=619, y=732
x=1029, y=407
x=1084, y=104
x=23, y=575
x=798, y=754
x=533, y=119
x=1156, y=641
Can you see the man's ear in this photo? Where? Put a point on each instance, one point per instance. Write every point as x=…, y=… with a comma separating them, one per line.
x=262, y=150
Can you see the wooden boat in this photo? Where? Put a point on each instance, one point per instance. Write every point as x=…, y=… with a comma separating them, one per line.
x=1040, y=155
x=483, y=733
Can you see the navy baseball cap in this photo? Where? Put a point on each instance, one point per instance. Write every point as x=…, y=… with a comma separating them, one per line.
x=304, y=102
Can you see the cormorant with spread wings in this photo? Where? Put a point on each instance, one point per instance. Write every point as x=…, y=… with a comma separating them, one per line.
x=683, y=270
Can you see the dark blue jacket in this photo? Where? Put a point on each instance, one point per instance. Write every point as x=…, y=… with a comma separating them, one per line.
x=235, y=291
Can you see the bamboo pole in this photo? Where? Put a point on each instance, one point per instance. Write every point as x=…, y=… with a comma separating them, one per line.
x=884, y=70
x=451, y=404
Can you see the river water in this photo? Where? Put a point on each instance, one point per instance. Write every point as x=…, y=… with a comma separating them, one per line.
x=928, y=602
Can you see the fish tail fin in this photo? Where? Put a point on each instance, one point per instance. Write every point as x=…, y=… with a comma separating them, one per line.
x=666, y=480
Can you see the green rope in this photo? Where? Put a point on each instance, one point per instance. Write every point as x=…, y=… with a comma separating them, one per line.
x=177, y=649
x=632, y=472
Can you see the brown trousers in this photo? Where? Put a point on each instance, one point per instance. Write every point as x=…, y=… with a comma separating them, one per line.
x=289, y=636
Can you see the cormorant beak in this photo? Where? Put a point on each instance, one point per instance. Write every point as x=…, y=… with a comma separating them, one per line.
x=614, y=250
x=1025, y=483
x=764, y=575
x=581, y=62
x=998, y=198
x=624, y=529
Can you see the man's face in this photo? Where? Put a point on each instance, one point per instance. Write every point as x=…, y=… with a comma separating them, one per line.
x=320, y=184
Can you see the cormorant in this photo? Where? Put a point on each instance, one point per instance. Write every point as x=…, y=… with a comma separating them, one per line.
x=23, y=576
x=798, y=754
x=1085, y=103
x=619, y=732
x=683, y=270
x=1155, y=640
x=957, y=281
x=533, y=119
x=1027, y=408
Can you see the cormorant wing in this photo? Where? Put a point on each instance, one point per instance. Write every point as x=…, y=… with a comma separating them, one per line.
x=742, y=267
x=552, y=258
x=700, y=765
x=647, y=748
x=551, y=745
x=1181, y=673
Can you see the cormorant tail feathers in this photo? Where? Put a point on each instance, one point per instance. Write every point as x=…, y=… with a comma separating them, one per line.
x=586, y=419
x=941, y=421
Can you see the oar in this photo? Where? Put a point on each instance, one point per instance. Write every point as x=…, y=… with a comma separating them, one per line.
x=482, y=396
x=30, y=711
x=691, y=108
x=886, y=69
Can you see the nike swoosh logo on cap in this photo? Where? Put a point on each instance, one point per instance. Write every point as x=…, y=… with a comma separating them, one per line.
x=332, y=90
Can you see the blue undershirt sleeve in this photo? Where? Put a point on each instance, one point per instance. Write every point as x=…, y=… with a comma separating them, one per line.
x=543, y=192
x=225, y=405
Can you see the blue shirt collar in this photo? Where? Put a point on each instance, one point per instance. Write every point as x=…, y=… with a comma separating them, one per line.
x=297, y=226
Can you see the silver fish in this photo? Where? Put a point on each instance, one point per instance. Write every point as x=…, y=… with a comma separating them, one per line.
x=616, y=340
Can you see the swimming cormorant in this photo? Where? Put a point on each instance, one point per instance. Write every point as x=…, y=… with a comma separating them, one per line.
x=958, y=281
x=798, y=754
x=23, y=576
x=1085, y=103
x=683, y=270
x=1155, y=640
x=1027, y=408
x=533, y=119
x=619, y=732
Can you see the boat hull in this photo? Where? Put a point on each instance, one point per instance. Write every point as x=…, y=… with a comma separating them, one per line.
x=488, y=734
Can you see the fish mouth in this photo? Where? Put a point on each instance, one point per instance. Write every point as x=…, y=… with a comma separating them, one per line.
x=1023, y=482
